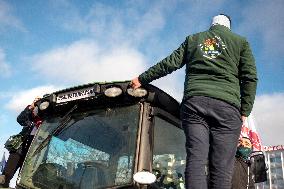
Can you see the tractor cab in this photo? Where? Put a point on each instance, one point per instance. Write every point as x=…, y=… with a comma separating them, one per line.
x=106, y=135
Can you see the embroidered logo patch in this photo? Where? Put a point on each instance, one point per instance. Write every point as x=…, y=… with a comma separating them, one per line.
x=212, y=47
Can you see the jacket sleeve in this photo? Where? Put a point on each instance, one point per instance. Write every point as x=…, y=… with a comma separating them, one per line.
x=25, y=118
x=248, y=79
x=169, y=64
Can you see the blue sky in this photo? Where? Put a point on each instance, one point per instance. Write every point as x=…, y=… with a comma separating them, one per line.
x=52, y=44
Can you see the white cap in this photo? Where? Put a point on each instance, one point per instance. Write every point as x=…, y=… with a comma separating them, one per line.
x=221, y=20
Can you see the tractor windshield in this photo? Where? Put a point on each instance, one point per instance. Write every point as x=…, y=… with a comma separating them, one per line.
x=95, y=149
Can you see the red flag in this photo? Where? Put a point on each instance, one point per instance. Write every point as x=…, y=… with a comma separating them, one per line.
x=248, y=130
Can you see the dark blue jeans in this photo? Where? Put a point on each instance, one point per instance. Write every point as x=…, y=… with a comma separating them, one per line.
x=212, y=128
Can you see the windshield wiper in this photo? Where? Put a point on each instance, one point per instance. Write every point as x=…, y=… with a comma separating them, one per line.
x=63, y=123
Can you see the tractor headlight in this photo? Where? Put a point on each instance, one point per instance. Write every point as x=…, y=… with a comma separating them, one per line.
x=44, y=105
x=113, y=92
x=144, y=177
x=139, y=92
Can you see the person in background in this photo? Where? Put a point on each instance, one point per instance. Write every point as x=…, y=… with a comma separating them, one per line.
x=242, y=177
x=30, y=121
x=219, y=92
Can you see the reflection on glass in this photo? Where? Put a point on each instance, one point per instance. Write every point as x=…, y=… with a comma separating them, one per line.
x=95, y=150
x=169, y=155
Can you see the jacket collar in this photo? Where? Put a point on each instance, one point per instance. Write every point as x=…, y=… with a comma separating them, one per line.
x=219, y=27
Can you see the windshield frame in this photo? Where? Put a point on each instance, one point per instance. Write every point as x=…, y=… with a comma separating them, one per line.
x=43, y=134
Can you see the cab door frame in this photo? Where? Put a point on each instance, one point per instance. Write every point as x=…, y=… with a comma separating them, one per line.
x=144, y=150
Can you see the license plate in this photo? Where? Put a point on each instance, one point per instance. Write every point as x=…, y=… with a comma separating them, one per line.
x=75, y=95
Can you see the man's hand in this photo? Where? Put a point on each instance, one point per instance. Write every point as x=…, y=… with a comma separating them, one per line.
x=135, y=83
x=32, y=106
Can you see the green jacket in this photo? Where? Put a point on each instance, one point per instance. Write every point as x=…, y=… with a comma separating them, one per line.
x=219, y=64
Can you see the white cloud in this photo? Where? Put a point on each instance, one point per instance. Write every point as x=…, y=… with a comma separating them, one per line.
x=115, y=53
x=7, y=19
x=85, y=61
x=269, y=111
x=20, y=99
x=128, y=22
x=5, y=69
x=147, y=23
x=172, y=84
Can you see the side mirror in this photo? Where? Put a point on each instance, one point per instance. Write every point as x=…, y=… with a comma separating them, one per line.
x=258, y=167
x=144, y=177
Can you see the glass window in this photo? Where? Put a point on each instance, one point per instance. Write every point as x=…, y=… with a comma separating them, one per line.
x=168, y=155
x=95, y=149
x=275, y=159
